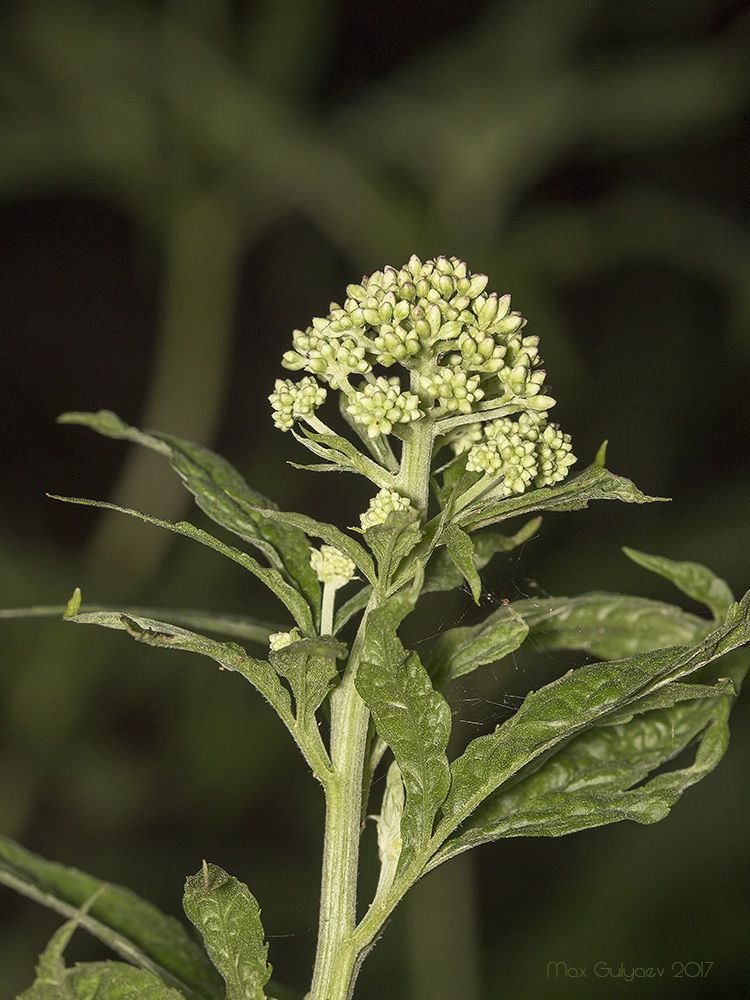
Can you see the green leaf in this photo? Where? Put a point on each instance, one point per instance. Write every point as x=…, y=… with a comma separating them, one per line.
x=599, y=776
x=227, y=916
x=461, y=650
x=594, y=483
x=557, y=712
x=272, y=578
x=310, y=667
x=693, y=579
x=104, y=981
x=240, y=626
x=133, y=928
x=608, y=625
x=442, y=573
x=392, y=542
x=412, y=718
x=222, y=493
x=358, y=602
x=343, y=456
x=461, y=551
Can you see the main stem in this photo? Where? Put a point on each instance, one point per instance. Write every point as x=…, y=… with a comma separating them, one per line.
x=337, y=958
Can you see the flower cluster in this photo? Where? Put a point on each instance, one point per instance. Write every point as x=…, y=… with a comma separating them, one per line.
x=525, y=452
x=381, y=506
x=464, y=348
x=292, y=400
x=332, y=566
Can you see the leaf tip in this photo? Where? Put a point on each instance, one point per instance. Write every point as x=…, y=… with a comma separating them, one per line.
x=601, y=455
x=73, y=606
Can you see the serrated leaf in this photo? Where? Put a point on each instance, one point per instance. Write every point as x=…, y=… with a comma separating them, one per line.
x=392, y=542
x=227, y=916
x=134, y=929
x=693, y=579
x=461, y=650
x=441, y=573
x=582, y=698
x=272, y=578
x=599, y=776
x=594, y=483
x=343, y=456
x=461, y=551
x=310, y=667
x=224, y=495
x=410, y=716
x=608, y=625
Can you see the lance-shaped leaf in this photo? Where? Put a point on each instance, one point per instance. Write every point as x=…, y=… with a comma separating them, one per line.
x=608, y=625
x=358, y=602
x=342, y=456
x=461, y=551
x=442, y=574
x=239, y=626
x=594, y=483
x=392, y=542
x=227, y=916
x=309, y=665
x=693, y=579
x=558, y=711
x=229, y=656
x=461, y=650
x=272, y=578
x=599, y=776
x=223, y=494
x=412, y=718
x=134, y=929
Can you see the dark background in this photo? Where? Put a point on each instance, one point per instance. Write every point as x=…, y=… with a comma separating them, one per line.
x=185, y=182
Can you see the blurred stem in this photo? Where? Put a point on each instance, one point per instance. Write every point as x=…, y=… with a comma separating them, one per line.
x=443, y=961
x=188, y=380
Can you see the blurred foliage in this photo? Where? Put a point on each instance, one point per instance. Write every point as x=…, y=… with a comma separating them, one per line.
x=186, y=181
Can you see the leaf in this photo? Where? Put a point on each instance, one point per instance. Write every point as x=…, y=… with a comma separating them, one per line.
x=104, y=981
x=222, y=493
x=693, y=579
x=272, y=578
x=392, y=542
x=557, y=712
x=241, y=626
x=461, y=552
x=133, y=928
x=343, y=456
x=598, y=777
x=227, y=916
x=389, y=828
x=442, y=573
x=351, y=607
x=594, y=483
x=461, y=650
x=608, y=625
x=410, y=716
x=310, y=667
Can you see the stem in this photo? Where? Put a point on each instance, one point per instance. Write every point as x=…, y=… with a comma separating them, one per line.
x=336, y=960
x=413, y=479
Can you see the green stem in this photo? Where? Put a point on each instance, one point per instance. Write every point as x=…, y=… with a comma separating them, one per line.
x=337, y=958
x=413, y=479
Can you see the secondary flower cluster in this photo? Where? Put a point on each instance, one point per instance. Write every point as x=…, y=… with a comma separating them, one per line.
x=526, y=452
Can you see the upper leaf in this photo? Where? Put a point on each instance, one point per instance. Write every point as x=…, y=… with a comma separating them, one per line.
x=559, y=710
x=461, y=650
x=227, y=916
x=594, y=483
x=412, y=718
x=693, y=579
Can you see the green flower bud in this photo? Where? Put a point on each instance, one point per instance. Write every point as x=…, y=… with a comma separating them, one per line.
x=279, y=640
x=454, y=389
x=293, y=400
x=381, y=506
x=380, y=404
x=332, y=566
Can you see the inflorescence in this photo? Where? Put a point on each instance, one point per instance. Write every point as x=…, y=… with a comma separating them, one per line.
x=466, y=368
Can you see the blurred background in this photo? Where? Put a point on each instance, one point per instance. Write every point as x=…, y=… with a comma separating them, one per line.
x=183, y=183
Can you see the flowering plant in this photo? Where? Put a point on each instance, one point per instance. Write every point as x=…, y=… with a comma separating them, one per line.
x=455, y=443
